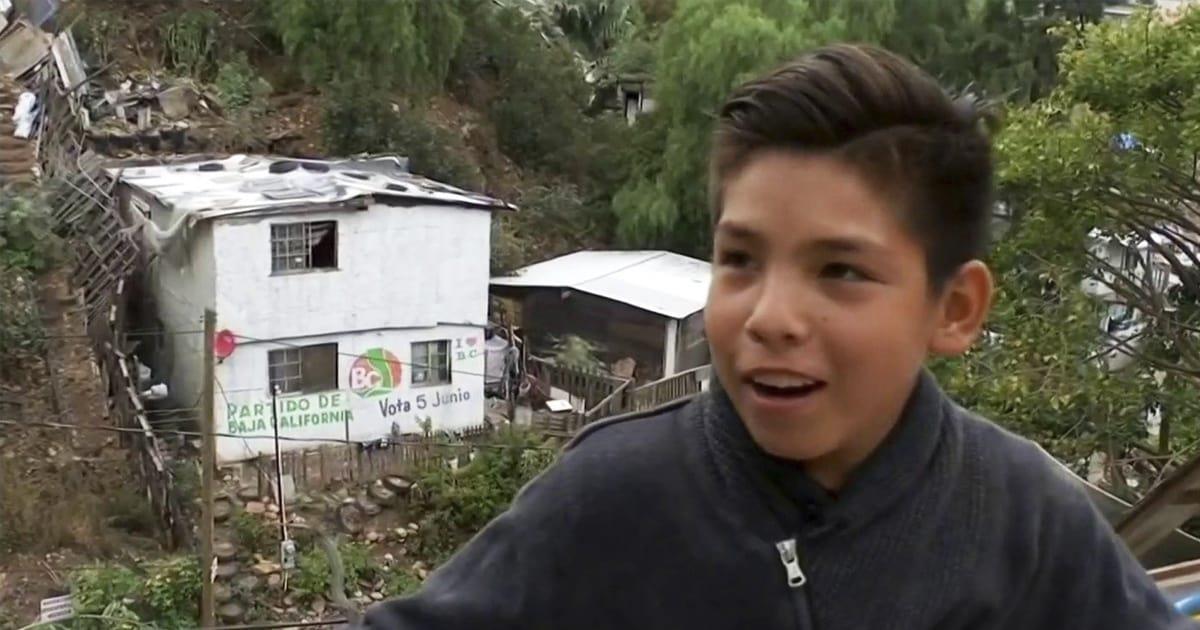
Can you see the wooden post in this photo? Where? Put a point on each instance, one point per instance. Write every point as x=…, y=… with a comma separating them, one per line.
x=207, y=470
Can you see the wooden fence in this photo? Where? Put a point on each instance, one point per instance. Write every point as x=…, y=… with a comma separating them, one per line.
x=329, y=467
x=106, y=258
x=605, y=396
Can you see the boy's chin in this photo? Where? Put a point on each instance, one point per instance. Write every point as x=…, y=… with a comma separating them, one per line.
x=794, y=443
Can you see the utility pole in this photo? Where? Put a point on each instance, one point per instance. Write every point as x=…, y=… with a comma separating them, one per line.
x=208, y=463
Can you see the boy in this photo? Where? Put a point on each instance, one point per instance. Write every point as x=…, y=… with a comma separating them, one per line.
x=825, y=482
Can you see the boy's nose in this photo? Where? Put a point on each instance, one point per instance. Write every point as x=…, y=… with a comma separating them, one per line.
x=779, y=318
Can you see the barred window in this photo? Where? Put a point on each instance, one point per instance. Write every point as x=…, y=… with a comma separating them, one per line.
x=305, y=369
x=303, y=246
x=430, y=363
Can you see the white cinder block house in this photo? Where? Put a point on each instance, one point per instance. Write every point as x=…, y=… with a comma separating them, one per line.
x=355, y=289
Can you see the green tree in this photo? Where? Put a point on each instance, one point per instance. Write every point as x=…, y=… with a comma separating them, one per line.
x=1063, y=178
x=707, y=47
x=393, y=43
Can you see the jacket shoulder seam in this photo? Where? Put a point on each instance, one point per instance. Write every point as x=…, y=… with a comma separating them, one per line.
x=598, y=426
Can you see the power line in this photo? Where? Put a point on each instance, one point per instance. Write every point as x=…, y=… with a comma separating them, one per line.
x=161, y=432
x=293, y=346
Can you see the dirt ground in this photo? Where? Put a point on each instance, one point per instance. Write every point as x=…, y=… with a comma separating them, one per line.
x=65, y=495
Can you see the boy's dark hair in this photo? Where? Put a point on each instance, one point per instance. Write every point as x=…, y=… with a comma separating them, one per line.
x=885, y=117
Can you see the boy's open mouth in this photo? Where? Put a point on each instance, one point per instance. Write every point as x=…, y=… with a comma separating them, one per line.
x=784, y=387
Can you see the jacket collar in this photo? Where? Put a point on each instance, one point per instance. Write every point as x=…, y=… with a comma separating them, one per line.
x=888, y=474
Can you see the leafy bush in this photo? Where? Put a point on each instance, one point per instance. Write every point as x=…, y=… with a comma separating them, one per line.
x=190, y=41
x=26, y=232
x=313, y=575
x=453, y=506
x=252, y=533
x=540, y=93
x=97, y=30
x=394, y=43
x=172, y=592
x=359, y=119
x=401, y=582
x=167, y=594
x=21, y=333
x=240, y=87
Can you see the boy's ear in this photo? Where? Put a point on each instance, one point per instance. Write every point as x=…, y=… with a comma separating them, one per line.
x=962, y=309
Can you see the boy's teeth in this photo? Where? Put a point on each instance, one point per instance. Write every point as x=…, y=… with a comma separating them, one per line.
x=783, y=381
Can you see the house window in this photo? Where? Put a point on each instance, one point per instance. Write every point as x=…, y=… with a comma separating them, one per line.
x=303, y=246
x=430, y=363
x=305, y=369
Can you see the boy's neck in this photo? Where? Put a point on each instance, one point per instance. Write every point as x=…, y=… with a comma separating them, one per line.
x=833, y=470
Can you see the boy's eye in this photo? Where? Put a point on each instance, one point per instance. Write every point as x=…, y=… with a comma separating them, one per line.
x=842, y=271
x=733, y=258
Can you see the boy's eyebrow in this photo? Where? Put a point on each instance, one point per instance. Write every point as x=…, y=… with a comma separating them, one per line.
x=734, y=229
x=835, y=244
x=844, y=244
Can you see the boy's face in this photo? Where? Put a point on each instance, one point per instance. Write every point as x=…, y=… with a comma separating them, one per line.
x=820, y=312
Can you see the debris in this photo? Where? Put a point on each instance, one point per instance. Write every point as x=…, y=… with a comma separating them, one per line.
x=23, y=115
x=177, y=101
x=23, y=47
x=70, y=65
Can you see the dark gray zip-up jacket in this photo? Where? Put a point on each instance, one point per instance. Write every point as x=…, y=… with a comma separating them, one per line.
x=678, y=520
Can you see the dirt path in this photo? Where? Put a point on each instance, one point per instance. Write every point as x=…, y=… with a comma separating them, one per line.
x=66, y=497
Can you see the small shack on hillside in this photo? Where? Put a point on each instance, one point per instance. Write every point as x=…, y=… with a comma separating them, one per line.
x=641, y=305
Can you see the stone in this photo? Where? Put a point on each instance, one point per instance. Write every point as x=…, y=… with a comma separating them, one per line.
x=272, y=508
x=231, y=612
x=256, y=507
x=422, y=573
x=401, y=533
x=266, y=567
x=376, y=596
x=299, y=520
x=397, y=484
x=289, y=601
x=373, y=536
x=382, y=494
x=177, y=101
x=224, y=550
x=226, y=570
x=274, y=580
x=246, y=582
x=318, y=605
x=413, y=527
x=247, y=493
x=222, y=508
x=387, y=557
x=222, y=593
x=369, y=507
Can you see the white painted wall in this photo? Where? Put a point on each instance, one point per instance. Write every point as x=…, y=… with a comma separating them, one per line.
x=397, y=268
x=404, y=274
x=182, y=293
x=243, y=398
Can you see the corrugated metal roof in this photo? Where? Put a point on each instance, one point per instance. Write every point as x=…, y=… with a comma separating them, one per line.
x=661, y=282
x=242, y=183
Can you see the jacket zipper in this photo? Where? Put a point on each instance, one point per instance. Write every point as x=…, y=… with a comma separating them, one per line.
x=789, y=555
